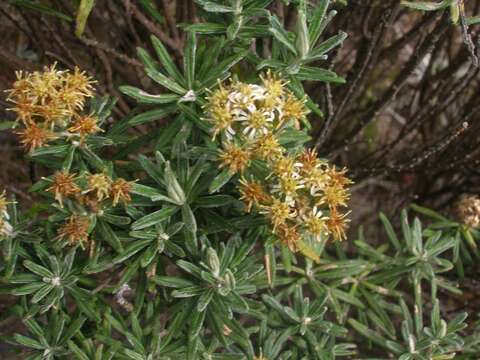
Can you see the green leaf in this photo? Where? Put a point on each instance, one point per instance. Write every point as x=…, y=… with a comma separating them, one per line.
x=327, y=45
x=189, y=291
x=317, y=23
x=204, y=299
x=27, y=289
x=166, y=60
x=189, y=59
x=281, y=34
x=171, y=281
x=154, y=218
x=38, y=269
x=44, y=9
x=428, y=6
x=146, y=98
x=131, y=250
x=83, y=12
x=41, y=293
x=214, y=201
x=189, y=218
x=219, y=181
x=211, y=6
x=28, y=342
x=149, y=7
x=165, y=81
x=151, y=115
x=307, y=73
x=390, y=232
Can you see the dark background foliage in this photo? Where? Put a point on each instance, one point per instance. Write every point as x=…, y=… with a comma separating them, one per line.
x=405, y=123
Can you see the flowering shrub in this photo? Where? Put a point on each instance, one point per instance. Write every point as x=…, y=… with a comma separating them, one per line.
x=299, y=193
x=208, y=237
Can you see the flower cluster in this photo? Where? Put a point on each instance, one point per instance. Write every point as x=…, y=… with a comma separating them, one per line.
x=302, y=195
x=468, y=211
x=50, y=104
x=91, y=191
x=5, y=226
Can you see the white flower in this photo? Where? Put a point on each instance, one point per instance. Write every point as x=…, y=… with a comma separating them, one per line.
x=256, y=120
x=245, y=95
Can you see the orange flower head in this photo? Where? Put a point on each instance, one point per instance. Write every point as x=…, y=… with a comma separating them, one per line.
x=63, y=186
x=84, y=126
x=252, y=193
x=337, y=224
x=289, y=235
x=120, y=191
x=234, y=158
x=294, y=109
x=268, y=147
x=278, y=212
x=34, y=136
x=75, y=230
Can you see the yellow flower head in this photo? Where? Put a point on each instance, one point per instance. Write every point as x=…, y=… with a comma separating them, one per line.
x=337, y=177
x=278, y=212
x=218, y=97
x=222, y=120
x=335, y=195
x=50, y=96
x=79, y=82
x=294, y=109
x=100, y=184
x=63, y=186
x=75, y=230
x=274, y=86
x=315, y=222
x=288, y=235
x=267, y=147
x=337, y=224
x=309, y=161
x=252, y=193
x=34, y=136
x=288, y=186
x=284, y=166
x=84, y=126
x=120, y=191
x=234, y=157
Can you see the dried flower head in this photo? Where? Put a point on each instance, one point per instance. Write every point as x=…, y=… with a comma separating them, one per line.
x=34, y=136
x=252, y=193
x=100, y=185
x=46, y=102
x=84, y=126
x=3, y=205
x=234, y=157
x=468, y=211
x=337, y=224
x=75, y=230
x=63, y=186
x=288, y=235
x=120, y=191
